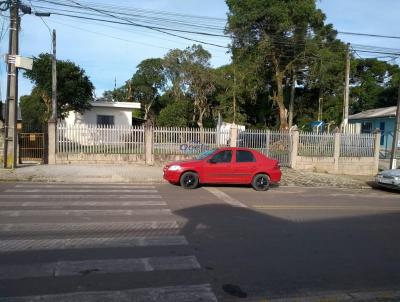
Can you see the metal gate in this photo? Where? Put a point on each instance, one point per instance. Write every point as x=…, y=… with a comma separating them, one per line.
x=31, y=147
x=274, y=144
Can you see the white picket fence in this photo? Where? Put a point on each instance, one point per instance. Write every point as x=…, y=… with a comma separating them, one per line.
x=100, y=139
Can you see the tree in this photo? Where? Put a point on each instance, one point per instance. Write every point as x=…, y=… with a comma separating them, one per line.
x=374, y=84
x=147, y=83
x=274, y=36
x=74, y=88
x=33, y=112
x=176, y=114
x=120, y=94
x=198, y=80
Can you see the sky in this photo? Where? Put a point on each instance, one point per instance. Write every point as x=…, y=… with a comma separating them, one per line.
x=109, y=54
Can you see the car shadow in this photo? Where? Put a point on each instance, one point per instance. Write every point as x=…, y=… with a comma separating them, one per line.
x=247, y=253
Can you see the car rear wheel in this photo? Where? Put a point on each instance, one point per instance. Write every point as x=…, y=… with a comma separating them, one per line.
x=189, y=180
x=260, y=182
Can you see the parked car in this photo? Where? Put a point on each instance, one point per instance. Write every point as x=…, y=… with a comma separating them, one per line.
x=389, y=179
x=225, y=166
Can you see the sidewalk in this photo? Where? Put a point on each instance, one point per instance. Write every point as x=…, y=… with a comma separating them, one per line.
x=102, y=173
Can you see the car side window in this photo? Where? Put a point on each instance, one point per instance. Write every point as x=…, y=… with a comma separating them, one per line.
x=243, y=156
x=222, y=157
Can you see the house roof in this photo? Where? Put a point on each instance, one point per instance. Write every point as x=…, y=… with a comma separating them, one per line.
x=125, y=105
x=375, y=113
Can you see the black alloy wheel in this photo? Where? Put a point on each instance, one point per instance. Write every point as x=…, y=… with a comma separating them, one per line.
x=189, y=180
x=261, y=182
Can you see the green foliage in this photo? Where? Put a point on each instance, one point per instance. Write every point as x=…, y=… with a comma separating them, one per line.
x=147, y=83
x=33, y=112
x=277, y=37
x=373, y=84
x=74, y=88
x=175, y=114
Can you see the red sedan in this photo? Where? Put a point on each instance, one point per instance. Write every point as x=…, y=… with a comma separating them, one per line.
x=225, y=166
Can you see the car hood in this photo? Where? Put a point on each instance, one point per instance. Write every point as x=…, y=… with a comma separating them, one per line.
x=184, y=162
x=393, y=172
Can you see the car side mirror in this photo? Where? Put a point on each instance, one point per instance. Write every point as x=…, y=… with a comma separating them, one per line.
x=212, y=161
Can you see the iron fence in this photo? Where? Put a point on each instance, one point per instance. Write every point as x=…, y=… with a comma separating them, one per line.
x=357, y=145
x=316, y=144
x=274, y=144
x=174, y=140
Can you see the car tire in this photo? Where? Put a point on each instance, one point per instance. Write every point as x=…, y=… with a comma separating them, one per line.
x=189, y=180
x=260, y=182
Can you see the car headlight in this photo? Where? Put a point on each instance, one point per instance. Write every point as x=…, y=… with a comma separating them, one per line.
x=396, y=178
x=175, y=168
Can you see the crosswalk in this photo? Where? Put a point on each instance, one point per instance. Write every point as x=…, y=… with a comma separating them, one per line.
x=100, y=242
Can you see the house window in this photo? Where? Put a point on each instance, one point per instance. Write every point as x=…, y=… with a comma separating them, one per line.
x=366, y=127
x=107, y=120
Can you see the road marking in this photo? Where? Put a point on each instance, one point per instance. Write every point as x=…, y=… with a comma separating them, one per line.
x=225, y=197
x=316, y=207
x=36, y=186
x=77, y=196
x=103, y=266
x=13, y=245
x=88, y=227
x=189, y=293
x=62, y=203
x=25, y=213
x=78, y=191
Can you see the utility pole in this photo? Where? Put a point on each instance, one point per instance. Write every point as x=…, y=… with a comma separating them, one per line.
x=11, y=136
x=292, y=95
x=395, y=134
x=234, y=95
x=54, y=80
x=346, y=88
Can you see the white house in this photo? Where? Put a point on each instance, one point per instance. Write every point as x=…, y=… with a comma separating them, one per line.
x=103, y=113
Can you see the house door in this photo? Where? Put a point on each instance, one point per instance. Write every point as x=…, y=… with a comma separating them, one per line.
x=382, y=128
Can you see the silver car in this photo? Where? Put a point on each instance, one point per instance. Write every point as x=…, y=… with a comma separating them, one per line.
x=389, y=178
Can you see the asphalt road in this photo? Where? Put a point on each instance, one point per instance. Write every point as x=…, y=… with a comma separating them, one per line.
x=110, y=242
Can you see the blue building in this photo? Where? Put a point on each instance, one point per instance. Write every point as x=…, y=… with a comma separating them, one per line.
x=380, y=118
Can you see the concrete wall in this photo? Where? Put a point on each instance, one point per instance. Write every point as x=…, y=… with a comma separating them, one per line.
x=345, y=165
x=83, y=158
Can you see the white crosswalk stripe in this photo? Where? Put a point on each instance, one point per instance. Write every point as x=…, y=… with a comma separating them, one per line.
x=79, y=191
x=88, y=227
x=103, y=266
x=138, y=212
x=189, y=293
x=9, y=245
x=65, y=186
x=95, y=219
x=77, y=196
x=81, y=203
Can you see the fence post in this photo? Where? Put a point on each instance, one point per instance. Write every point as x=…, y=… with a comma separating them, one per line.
x=52, y=142
x=233, y=135
x=295, y=146
x=148, y=144
x=377, y=149
x=336, y=150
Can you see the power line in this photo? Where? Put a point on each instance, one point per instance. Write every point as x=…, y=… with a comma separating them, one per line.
x=368, y=35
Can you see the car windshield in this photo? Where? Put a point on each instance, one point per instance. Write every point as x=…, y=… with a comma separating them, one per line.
x=206, y=153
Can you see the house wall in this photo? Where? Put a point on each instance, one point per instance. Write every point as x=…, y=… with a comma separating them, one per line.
x=122, y=117
x=387, y=134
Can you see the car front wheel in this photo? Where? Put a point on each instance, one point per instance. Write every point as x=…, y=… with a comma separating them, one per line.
x=260, y=182
x=189, y=180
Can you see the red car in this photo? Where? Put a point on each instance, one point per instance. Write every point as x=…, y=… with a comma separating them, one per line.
x=225, y=166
